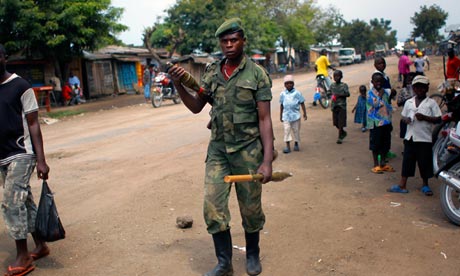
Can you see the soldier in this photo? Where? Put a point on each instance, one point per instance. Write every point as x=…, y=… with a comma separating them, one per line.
x=241, y=142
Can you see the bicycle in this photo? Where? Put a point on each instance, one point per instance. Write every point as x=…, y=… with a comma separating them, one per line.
x=323, y=92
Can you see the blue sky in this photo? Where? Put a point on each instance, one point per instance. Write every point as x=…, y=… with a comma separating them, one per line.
x=141, y=13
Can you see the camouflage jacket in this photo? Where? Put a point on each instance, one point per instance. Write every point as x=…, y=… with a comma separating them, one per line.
x=234, y=114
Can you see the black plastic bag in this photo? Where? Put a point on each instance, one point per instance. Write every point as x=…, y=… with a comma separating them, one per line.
x=48, y=224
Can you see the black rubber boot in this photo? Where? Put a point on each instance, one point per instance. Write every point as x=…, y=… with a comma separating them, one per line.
x=253, y=266
x=223, y=247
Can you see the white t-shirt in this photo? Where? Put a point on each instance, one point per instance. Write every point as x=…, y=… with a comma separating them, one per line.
x=420, y=131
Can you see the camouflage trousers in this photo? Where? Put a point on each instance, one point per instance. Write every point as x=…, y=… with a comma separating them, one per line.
x=19, y=209
x=219, y=164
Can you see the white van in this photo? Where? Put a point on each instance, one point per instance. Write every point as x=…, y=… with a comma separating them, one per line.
x=348, y=56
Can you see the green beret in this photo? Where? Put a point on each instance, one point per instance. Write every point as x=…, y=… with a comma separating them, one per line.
x=232, y=25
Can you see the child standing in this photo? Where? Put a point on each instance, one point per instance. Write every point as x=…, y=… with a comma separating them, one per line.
x=379, y=110
x=360, y=108
x=380, y=65
x=419, y=113
x=290, y=101
x=339, y=104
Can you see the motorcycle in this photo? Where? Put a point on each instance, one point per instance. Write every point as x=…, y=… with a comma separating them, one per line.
x=163, y=89
x=440, y=134
x=449, y=103
x=449, y=173
x=323, y=92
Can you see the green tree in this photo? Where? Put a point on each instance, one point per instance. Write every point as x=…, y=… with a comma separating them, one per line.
x=197, y=20
x=195, y=23
x=327, y=25
x=261, y=30
x=428, y=22
x=357, y=34
x=381, y=32
x=58, y=29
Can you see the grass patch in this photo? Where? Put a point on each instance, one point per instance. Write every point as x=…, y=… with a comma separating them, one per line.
x=63, y=113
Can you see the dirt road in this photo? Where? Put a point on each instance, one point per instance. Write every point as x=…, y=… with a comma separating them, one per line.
x=122, y=176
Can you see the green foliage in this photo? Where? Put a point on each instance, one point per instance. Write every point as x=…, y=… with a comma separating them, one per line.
x=428, y=22
x=327, y=25
x=58, y=29
x=357, y=34
x=198, y=19
x=364, y=37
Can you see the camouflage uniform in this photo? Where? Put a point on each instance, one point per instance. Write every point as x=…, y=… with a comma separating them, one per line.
x=235, y=146
x=19, y=209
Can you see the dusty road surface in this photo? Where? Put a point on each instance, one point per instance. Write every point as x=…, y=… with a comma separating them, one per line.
x=122, y=176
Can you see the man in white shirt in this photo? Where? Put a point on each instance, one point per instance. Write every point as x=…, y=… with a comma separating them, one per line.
x=419, y=113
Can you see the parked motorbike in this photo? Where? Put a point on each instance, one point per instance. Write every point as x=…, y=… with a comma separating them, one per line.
x=440, y=135
x=449, y=173
x=449, y=103
x=163, y=89
x=323, y=92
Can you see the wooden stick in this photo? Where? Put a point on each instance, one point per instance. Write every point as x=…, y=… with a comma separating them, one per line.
x=276, y=176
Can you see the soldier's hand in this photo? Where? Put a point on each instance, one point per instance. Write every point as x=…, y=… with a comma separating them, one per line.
x=176, y=72
x=266, y=170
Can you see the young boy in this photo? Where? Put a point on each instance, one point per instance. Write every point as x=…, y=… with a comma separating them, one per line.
x=419, y=113
x=290, y=100
x=379, y=123
x=21, y=150
x=380, y=65
x=339, y=104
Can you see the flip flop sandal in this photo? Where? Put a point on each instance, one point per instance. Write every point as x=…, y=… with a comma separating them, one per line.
x=397, y=189
x=427, y=191
x=388, y=168
x=19, y=270
x=377, y=169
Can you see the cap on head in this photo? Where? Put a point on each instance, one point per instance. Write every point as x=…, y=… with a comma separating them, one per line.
x=419, y=54
x=230, y=26
x=420, y=79
x=323, y=52
x=288, y=78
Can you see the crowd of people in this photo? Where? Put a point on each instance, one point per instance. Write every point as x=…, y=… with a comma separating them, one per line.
x=374, y=108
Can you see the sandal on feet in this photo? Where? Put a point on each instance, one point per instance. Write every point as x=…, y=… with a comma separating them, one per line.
x=388, y=168
x=19, y=270
x=427, y=191
x=39, y=255
x=377, y=169
x=397, y=189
